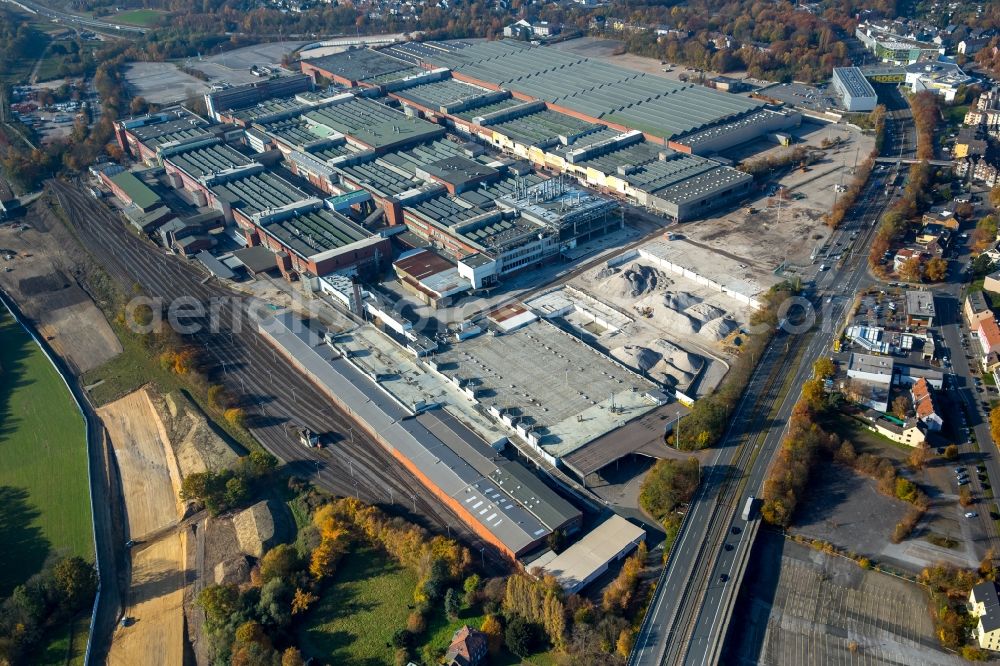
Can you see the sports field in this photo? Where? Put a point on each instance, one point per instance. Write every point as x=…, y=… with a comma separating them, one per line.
x=44, y=499
x=144, y=18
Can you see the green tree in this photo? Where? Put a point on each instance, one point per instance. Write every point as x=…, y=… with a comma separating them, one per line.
x=237, y=491
x=471, y=589
x=281, y=562
x=452, y=605
x=520, y=636
x=76, y=581
x=219, y=602
x=668, y=484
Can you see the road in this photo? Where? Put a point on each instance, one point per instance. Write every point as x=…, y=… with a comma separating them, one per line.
x=75, y=19
x=689, y=613
x=276, y=394
x=966, y=393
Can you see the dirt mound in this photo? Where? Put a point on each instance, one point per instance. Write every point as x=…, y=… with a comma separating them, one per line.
x=197, y=446
x=681, y=359
x=718, y=329
x=677, y=322
x=705, y=312
x=633, y=282
x=254, y=528
x=232, y=571
x=667, y=364
x=634, y=356
x=680, y=300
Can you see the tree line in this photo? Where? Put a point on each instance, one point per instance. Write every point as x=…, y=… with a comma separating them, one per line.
x=64, y=588
x=809, y=439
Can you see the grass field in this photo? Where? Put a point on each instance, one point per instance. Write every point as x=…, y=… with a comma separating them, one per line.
x=44, y=497
x=366, y=602
x=68, y=646
x=144, y=18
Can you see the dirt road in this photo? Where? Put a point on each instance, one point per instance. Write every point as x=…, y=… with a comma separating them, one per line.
x=154, y=603
x=148, y=469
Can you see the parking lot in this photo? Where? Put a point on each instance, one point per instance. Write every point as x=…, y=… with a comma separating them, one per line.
x=800, y=95
x=801, y=606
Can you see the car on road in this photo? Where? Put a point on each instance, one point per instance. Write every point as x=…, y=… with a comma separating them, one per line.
x=971, y=514
x=728, y=547
x=723, y=577
x=735, y=530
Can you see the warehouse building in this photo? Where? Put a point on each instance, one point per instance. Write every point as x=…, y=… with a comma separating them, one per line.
x=196, y=166
x=240, y=97
x=372, y=125
x=256, y=197
x=855, y=92
x=131, y=191
x=584, y=561
x=552, y=139
x=590, y=90
x=359, y=67
x=449, y=460
x=319, y=242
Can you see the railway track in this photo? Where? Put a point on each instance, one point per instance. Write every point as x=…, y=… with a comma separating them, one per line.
x=275, y=394
x=726, y=499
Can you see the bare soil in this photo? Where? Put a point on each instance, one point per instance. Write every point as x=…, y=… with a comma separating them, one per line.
x=151, y=482
x=45, y=277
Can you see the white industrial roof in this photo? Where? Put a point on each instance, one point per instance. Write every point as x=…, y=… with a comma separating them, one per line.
x=577, y=565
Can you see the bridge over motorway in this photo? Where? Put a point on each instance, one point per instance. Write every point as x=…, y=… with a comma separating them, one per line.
x=913, y=160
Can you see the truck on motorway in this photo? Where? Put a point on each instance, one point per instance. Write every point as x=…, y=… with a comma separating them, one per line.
x=748, y=508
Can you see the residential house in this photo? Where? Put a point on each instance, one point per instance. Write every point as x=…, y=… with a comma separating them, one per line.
x=468, y=648
x=993, y=252
x=989, y=336
x=904, y=255
x=984, y=606
x=968, y=145
x=991, y=282
x=923, y=405
x=902, y=432
x=976, y=309
x=941, y=218
x=985, y=173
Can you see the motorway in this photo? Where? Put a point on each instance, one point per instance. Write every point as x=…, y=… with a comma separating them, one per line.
x=76, y=20
x=277, y=395
x=689, y=613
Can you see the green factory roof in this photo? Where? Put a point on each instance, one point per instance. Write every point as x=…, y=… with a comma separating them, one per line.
x=136, y=190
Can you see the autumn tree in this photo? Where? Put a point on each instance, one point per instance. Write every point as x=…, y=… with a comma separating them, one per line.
x=669, y=484
x=280, y=562
x=936, y=269
x=494, y=633
x=302, y=601
x=292, y=657
x=919, y=456
x=912, y=270
x=824, y=368
x=901, y=407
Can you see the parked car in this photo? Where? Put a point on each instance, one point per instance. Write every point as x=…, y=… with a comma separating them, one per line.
x=971, y=514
